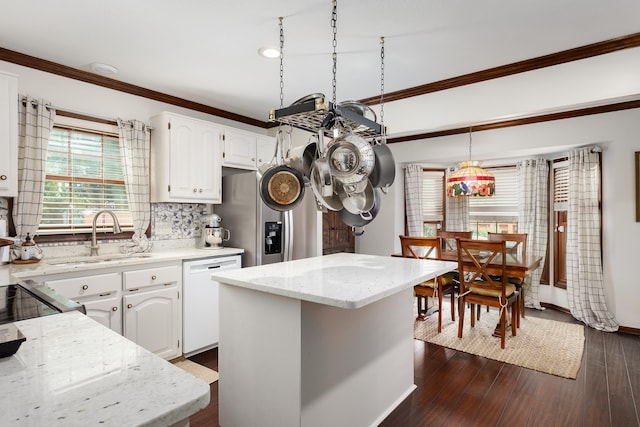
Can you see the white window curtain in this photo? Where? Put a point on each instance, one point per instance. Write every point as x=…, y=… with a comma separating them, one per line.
x=457, y=212
x=413, y=199
x=35, y=121
x=135, y=145
x=585, y=290
x=533, y=219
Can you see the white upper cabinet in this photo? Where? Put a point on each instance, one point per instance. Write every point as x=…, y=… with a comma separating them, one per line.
x=238, y=149
x=185, y=160
x=8, y=135
x=246, y=150
x=265, y=147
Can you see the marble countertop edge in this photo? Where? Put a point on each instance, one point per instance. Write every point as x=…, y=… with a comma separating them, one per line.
x=319, y=279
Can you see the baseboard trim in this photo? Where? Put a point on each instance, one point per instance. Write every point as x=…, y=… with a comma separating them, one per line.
x=623, y=329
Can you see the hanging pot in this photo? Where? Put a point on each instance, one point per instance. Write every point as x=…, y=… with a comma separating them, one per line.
x=363, y=218
x=322, y=188
x=301, y=158
x=351, y=158
x=384, y=170
x=359, y=108
x=307, y=98
x=282, y=188
x=358, y=202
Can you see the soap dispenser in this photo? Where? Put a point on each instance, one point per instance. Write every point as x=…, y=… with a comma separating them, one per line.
x=28, y=248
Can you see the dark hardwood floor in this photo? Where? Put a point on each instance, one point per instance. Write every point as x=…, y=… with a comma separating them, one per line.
x=459, y=389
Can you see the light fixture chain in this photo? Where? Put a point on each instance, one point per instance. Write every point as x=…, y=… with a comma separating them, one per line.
x=281, y=64
x=470, y=141
x=382, y=88
x=334, y=27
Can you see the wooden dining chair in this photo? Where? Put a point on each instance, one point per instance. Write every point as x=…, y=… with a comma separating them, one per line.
x=429, y=248
x=449, y=238
x=519, y=249
x=479, y=261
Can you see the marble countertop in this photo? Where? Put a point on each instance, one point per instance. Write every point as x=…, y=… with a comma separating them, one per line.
x=73, y=371
x=341, y=280
x=55, y=265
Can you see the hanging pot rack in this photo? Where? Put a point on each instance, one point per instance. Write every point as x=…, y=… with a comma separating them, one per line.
x=313, y=115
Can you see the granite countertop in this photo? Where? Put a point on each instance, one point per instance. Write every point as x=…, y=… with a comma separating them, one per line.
x=342, y=280
x=55, y=265
x=73, y=371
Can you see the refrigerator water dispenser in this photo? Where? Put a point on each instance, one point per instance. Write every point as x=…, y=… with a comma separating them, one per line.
x=273, y=237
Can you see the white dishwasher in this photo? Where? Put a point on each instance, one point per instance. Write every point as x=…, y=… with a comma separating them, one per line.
x=200, y=302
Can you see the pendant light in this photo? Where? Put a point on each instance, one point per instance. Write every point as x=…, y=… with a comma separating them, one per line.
x=471, y=179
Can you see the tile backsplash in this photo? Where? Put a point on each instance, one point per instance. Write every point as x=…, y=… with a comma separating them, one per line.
x=176, y=220
x=169, y=221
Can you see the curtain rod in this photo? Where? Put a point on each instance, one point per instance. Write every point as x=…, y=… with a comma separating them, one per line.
x=79, y=115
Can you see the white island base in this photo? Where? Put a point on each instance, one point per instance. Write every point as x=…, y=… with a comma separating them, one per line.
x=287, y=361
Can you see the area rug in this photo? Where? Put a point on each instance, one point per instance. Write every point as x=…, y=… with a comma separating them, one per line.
x=543, y=345
x=197, y=370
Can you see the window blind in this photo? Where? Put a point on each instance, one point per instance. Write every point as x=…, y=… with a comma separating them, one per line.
x=433, y=196
x=504, y=203
x=83, y=176
x=560, y=188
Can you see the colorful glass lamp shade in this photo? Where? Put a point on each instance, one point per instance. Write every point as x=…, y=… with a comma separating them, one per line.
x=471, y=180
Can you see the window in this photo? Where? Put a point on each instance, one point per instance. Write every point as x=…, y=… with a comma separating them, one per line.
x=559, y=218
x=499, y=213
x=84, y=174
x=433, y=194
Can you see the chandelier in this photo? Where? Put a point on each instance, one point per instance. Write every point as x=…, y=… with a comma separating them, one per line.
x=471, y=179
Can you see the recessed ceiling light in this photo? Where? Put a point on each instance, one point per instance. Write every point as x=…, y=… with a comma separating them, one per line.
x=269, y=52
x=104, y=69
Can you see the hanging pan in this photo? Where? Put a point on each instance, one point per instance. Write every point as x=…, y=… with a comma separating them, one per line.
x=384, y=169
x=281, y=186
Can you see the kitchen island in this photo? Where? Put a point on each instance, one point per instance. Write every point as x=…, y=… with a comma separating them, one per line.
x=72, y=371
x=324, y=341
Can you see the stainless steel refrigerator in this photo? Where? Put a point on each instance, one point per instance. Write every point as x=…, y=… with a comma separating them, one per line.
x=266, y=235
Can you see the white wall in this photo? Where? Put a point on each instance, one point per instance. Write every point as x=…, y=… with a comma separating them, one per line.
x=617, y=133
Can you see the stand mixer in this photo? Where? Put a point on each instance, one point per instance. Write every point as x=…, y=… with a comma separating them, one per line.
x=211, y=234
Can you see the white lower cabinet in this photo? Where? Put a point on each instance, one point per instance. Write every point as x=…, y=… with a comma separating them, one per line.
x=151, y=320
x=106, y=310
x=101, y=295
x=153, y=310
x=143, y=304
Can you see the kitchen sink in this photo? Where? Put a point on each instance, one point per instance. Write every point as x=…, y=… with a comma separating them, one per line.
x=95, y=259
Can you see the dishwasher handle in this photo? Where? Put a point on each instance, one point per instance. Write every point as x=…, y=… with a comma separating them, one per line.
x=219, y=265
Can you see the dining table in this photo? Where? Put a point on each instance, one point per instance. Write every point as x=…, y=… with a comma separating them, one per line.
x=517, y=265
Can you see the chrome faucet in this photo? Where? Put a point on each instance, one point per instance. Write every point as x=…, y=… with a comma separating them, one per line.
x=94, y=240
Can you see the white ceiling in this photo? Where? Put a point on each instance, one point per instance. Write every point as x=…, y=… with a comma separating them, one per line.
x=206, y=50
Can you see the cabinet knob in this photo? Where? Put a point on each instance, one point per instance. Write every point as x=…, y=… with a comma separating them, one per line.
x=201, y=190
x=3, y=177
x=154, y=277
x=115, y=308
x=129, y=305
x=195, y=190
x=85, y=287
x=253, y=159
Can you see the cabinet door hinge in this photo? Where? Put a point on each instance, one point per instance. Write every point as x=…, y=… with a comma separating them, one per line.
x=223, y=154
x=169, y=125
x=178, y=343
x=169, y=188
